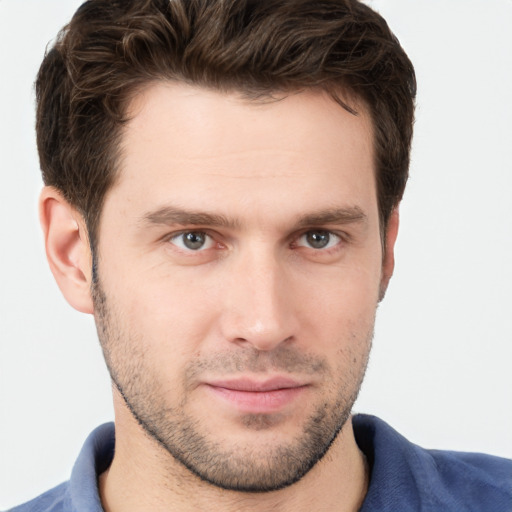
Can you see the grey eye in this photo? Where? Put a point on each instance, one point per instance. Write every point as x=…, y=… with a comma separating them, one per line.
x=318, y=239
x=192, y=240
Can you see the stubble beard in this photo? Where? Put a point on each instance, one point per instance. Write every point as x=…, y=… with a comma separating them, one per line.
x=234, y=467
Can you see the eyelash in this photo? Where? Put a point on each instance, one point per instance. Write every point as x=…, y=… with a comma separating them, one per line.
x=338, y=238
x=179, y=236
x=329, y=245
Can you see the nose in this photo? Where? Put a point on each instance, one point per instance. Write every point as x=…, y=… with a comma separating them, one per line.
x=258, y=305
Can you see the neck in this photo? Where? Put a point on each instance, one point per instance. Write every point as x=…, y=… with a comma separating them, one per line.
x=143, y=476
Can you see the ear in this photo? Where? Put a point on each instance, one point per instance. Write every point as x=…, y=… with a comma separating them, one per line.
x=388, y=262
x=67, y=248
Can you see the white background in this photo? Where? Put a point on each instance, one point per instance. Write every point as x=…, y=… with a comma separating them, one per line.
x=441, y=367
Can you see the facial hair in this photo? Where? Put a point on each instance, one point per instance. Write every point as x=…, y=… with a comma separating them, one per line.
x=230, y=466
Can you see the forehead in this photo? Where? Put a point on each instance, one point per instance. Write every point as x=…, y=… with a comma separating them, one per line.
x=185, y=144
x=206, y=114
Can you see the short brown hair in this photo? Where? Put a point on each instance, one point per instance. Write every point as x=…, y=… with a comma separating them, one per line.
x=111, y=48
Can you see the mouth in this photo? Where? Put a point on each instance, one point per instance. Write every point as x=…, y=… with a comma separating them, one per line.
x=257, y=396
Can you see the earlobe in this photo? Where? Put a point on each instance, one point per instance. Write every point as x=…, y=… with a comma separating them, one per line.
x=388, y=263
x=67, y=248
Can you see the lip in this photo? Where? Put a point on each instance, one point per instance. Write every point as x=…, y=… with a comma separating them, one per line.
x=256, y=396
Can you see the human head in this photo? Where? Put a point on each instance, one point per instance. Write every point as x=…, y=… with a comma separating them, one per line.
x=286, y=157
x=262, y=49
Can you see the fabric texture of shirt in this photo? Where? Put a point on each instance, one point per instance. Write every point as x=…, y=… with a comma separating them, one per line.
x=404, y=477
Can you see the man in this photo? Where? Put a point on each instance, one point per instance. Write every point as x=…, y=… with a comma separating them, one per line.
x=222, y=189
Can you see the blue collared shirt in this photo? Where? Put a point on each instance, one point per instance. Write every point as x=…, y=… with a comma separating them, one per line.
x=404, y=477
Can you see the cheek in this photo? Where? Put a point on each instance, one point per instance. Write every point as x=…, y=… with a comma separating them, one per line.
x=171, y=314
x=344, y=299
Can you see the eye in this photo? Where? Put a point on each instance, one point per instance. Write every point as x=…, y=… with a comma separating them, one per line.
x=192, y=241
x=318, y=239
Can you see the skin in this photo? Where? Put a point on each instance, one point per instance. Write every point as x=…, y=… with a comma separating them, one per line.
x=259, y=182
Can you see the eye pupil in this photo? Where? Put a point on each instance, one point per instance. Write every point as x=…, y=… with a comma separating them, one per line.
x=318, y=239
x=194, y=240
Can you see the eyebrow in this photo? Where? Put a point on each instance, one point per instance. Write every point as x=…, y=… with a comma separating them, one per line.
x=169, y=215
x=349, y=215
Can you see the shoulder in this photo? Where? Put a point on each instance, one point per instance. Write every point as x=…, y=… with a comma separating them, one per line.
x=81, y=491
x=405, y=476
x=51, y=501
x=472, y=477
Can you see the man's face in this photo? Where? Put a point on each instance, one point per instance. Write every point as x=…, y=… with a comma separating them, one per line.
x=239, y=269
